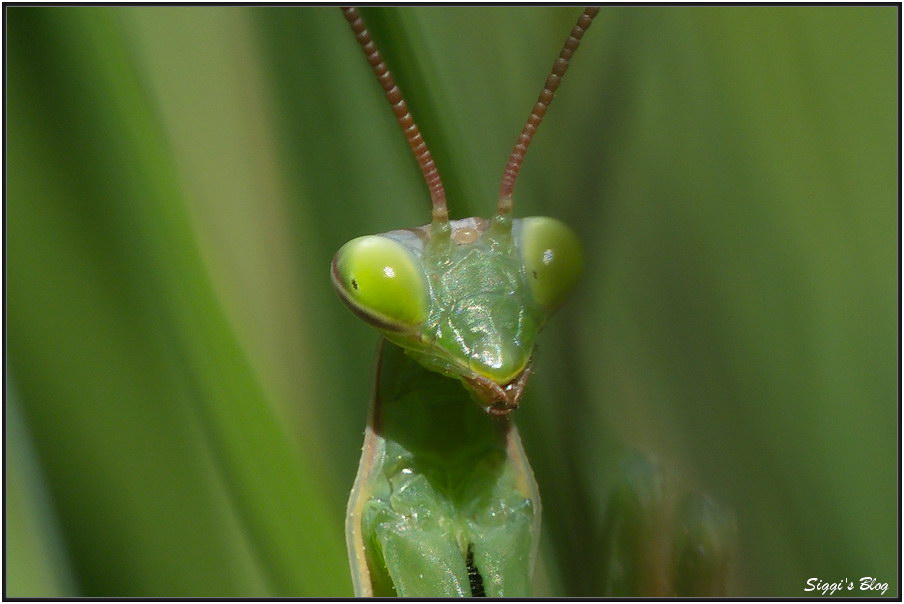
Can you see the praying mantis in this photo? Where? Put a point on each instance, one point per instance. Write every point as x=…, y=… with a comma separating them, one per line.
x=445, y=503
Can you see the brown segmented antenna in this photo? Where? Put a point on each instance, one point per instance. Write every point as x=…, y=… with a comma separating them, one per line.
x=513, y=167
x=403, y=115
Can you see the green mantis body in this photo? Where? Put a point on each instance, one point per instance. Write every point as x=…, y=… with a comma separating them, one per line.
x=445, y=503
x=432, y=508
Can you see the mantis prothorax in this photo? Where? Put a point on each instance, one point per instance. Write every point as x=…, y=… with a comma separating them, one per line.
x=445, y=502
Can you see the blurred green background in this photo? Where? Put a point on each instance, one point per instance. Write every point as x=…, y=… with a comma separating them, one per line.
x=185, y=396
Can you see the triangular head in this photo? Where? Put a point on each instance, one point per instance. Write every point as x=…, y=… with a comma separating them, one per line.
x=465, y=298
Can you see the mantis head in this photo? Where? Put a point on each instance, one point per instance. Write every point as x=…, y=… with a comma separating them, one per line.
x=465, y=298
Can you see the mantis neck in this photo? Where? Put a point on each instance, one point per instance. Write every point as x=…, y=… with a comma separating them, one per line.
x=445, y=503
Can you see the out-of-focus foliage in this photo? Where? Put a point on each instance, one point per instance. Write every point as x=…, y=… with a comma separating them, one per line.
x=185, y=395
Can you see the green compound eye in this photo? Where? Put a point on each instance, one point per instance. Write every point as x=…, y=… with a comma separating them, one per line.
x=552, y=259
x=381, y=281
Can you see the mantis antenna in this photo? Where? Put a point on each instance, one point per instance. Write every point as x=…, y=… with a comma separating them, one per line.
x=513, y=167
x=402, y=113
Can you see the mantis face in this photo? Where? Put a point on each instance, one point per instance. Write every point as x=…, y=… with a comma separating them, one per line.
x=465, y=298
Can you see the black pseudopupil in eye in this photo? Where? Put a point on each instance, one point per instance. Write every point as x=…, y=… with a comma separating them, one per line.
x=355, y=283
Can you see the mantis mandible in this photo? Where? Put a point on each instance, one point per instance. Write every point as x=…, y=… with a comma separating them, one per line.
x=445, y=503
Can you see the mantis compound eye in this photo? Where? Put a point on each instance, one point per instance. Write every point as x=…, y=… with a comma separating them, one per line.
x=552, y=259
x=382, y=282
